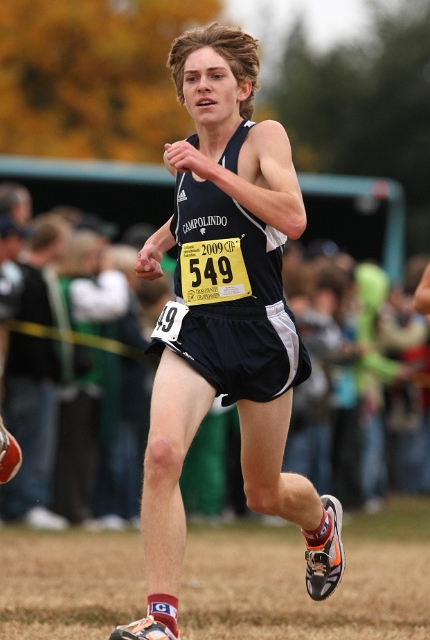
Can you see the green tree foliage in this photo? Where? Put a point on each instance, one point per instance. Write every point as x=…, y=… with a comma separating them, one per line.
x=364, y=109
x=88, y=78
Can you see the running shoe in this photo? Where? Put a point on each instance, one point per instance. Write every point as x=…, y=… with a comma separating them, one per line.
x=10, y=455
x=326, y=564
x=145, y=629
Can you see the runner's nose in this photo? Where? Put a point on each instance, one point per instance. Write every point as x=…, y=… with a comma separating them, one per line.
x=204, y=84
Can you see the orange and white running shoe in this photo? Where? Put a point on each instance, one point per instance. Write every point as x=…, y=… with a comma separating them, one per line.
x=326, y=564
x=145, y=629
x=10, y=455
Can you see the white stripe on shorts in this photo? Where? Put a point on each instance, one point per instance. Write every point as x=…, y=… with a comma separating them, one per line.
x=286, y=330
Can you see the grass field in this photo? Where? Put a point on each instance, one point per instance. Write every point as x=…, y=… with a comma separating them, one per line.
x=241, y=581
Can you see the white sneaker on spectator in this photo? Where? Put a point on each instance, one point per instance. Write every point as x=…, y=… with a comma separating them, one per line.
x=112, y=522
x=202, y=519
x=42, y=518
x=373, y=505
x=273, y=521
x=91, y=524
x=135, y=523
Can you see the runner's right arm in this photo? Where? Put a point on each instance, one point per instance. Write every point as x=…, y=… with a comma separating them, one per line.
x=147, y=265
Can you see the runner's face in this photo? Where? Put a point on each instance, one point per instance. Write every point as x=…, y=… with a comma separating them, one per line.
x=211, y=92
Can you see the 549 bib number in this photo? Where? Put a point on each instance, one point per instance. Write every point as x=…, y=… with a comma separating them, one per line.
x=213, y=271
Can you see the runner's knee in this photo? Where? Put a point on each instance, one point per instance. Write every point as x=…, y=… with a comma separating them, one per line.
x=261, y=499
x=163, y=460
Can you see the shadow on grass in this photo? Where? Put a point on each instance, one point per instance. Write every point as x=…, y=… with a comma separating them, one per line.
x=402, y=518
x=100, y=616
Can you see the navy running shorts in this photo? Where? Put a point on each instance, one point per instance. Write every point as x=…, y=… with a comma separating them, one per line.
x=244, y=353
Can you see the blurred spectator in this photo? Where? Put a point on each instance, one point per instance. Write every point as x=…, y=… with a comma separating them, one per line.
x=371, y=356
x=345, y=261
x=291, y=257
x=299, y=282
x=93, y=222
x=16, y=202
x=82, y=220
x=138, y=234
x=71, y=215
x=373, y=371
x=308, y=448
x=11, y=244
x=321, y=248
x=419, y=358
x=153, y=297
x=96, y=295
x=118, y=488
x=10, y=286
x=401, y=328
x=33, y=371
x=346, y=431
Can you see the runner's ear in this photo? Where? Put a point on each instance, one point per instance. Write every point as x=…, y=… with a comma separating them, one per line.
x=245, y=90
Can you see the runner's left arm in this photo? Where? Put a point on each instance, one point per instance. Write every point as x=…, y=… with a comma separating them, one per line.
x=147, y=265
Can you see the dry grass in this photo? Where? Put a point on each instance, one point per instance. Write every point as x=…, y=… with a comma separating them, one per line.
x=239, y=582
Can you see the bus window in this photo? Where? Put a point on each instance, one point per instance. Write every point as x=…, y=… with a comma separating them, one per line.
x=364, y=216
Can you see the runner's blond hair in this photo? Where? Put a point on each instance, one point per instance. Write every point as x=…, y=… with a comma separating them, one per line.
x=239, y=49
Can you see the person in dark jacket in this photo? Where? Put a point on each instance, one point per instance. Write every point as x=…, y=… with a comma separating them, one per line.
x=119, y=481
x=33, y=371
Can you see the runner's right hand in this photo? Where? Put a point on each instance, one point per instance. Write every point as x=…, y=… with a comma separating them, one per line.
x=147, y=265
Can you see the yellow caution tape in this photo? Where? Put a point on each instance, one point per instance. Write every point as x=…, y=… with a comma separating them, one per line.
x=55, y=333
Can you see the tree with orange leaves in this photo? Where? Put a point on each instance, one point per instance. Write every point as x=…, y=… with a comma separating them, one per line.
x=88, y=79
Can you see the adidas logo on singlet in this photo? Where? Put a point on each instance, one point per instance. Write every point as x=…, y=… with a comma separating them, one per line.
x=182, y=196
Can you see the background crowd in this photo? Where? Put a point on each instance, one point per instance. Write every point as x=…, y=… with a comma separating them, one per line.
x=74, y=324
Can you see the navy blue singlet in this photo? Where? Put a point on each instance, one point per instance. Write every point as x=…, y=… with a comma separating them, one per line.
x=205, y=212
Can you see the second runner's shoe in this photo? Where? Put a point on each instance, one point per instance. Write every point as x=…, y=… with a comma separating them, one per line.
x=326, y=564
x=145, y=629
x=10, y=455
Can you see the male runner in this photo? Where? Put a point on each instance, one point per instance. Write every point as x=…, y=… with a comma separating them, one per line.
x=229, y=331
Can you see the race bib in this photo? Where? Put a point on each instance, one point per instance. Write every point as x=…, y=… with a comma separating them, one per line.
x=213, y=271
x=170, y=321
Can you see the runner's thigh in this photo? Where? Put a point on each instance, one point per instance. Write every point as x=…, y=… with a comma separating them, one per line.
x=264, y=428
x=181, y=397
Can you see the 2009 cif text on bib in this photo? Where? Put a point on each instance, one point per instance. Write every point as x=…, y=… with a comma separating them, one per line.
x=213, y=271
